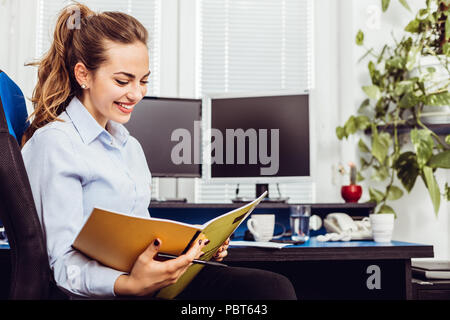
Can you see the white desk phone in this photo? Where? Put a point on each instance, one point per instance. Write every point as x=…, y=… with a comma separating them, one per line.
x=341, y=227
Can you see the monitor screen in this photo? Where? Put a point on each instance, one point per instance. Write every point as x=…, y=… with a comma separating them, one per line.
x=168, y=130
x=260, y=136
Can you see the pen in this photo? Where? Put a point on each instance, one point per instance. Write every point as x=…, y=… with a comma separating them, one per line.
x=208, y=263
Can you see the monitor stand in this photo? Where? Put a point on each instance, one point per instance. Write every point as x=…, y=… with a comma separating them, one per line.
x=260, y=189
x=176, y=198
x=263, y=187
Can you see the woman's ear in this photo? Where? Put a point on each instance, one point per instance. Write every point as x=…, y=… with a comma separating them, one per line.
x=82, y=75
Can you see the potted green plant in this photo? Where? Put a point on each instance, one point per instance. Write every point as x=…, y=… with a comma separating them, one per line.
x=399, y=91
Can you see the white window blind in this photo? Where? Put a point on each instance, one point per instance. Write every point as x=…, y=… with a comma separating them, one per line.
x=148, y=12
x=254, y=45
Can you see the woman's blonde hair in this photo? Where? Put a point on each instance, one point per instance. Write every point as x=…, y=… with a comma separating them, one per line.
x=79, y=37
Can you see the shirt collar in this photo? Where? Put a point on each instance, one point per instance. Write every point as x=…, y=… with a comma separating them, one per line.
x=89, y=129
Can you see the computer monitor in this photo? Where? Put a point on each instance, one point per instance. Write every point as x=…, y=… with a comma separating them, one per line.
x=265, y=139
x=169, y=131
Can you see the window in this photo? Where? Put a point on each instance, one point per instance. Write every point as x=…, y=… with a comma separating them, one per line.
x=254, y=45
x=250, y=46
x=146, y=11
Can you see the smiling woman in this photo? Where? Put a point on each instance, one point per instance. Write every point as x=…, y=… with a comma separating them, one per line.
x=78, y=155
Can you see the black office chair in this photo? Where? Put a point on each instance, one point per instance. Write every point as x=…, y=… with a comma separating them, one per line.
x=30, y=272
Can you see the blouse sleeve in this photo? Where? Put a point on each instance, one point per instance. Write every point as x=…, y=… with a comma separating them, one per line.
x=56, y=176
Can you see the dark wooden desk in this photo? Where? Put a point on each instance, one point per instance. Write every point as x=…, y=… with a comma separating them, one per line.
x=320, y=271
x=340, y=270
x=331, y=270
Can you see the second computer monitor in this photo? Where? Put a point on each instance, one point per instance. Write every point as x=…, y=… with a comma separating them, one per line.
x=168, y=130
x=263, y=137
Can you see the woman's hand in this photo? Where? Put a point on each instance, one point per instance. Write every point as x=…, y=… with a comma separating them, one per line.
x=149, y=275
x=222, y=252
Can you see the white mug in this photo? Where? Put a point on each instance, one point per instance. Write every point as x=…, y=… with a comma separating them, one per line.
x=262, y=227
x=382, y=226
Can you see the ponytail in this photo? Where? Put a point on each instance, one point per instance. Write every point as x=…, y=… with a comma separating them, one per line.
x=77, y=38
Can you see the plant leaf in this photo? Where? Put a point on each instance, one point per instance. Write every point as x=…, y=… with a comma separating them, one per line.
x=407, y=169
x=404, y=86
x=380, y=145
x=386, y=209
x=394, y=193
x=395, y=62
x=408, y=100
x=372, y=92
x=359, y=38
x=376, y=195
x=446, y=49
x=423, y=145
x=363, y=105
x=440, y=160
x=340, y=133
x=384, y=5
x=413, y=26
x=438, y=99
x=362, y=122
x=350, y=126
x=364, y=163
x=405, y=4
x=362, y=146
x=432, y=187
x=411, y=58
x=380, y=173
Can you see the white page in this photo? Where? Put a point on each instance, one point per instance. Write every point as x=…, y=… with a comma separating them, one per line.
x=259, y=244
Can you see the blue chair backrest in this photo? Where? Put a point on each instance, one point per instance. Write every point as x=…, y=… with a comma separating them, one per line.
x=14, y=107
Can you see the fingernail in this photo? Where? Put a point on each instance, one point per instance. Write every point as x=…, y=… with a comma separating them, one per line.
x=206, y=242
x=156, y=242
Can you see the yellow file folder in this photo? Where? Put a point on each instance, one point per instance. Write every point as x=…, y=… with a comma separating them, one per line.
x=116, y=240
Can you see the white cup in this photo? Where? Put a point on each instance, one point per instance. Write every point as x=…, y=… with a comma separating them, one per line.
x=382, y=226
x=262, y=227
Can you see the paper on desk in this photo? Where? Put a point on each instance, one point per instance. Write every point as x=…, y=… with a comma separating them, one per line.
x=259, y=244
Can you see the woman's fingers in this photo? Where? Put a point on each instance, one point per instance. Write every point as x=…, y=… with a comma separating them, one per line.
x=179, y=265
x=222, y=252
x=219, y=256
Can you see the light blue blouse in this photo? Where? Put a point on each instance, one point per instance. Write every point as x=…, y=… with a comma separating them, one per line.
x=74, y=166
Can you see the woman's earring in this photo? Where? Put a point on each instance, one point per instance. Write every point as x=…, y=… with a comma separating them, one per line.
x=83, y=86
